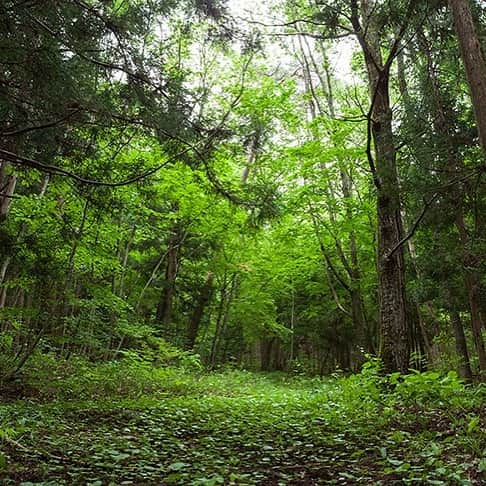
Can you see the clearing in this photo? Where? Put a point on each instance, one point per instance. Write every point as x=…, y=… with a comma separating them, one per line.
x=244, y=428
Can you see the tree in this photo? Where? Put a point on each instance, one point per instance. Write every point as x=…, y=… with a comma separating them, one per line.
x=474, y=61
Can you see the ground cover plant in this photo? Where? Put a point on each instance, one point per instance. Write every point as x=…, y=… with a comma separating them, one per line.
x=242, y=242
x=239, y=427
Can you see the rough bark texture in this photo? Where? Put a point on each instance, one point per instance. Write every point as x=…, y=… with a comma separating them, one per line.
x=394, y=324
x=474, y=62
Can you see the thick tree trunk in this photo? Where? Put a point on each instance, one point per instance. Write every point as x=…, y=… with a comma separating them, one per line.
x=266, y=347
x=474, y=62
x=394, y=323
x=394, y=346
x=202, y=302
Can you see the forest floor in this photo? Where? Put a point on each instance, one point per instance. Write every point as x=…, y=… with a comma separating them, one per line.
x=242, y=428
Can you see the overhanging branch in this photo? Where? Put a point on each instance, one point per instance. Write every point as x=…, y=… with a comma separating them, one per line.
x=54, y=169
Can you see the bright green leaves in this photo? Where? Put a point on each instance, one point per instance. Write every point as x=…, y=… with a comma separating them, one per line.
x=245, y=428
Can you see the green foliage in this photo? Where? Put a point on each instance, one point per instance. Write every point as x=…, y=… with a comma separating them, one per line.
x=428, y=387
x=136, y=374
x=239, y=427
x=252, y=228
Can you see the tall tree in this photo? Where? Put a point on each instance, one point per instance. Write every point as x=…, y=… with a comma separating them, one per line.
x=368, y=24
x=474, y=61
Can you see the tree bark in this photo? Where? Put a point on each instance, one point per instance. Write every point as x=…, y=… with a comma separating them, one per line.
x=474, y=62
x=461, y=345
x=197, y=315
x=266, y=346
x=163, y=315
x=6, y=197
x=394, y=324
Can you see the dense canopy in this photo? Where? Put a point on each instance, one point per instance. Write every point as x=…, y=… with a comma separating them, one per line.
x=288, y=186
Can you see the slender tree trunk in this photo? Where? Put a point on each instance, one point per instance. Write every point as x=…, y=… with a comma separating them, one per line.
x=217, y=329
x=417, y=319
x=164, y=309
x=222, y=322
x=292, y=328
x=353, y=286
x=472, y=283
x=197, y=315
x=357, y=301
x=152, y=277
x=461, y=345
x=252, y=154
x=6, y=197
x=6, y=263
x=124, y=262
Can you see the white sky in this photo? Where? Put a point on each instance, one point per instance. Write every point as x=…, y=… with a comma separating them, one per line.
x=260, y=11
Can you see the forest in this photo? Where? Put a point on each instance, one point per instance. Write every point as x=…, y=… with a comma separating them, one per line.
x=242, y=242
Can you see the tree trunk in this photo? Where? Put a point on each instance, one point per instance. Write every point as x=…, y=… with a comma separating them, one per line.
x=472, y=283
x=474, y=62
x=203, y=301
x=358, y=314
x=219, y=319
x=470, y=261
x=6, y=197
x=357, y=302
x=394, y=324
x=266, y=346
x=163, y=315
x=461, y=345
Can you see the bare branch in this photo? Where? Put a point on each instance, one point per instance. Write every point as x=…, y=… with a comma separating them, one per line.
x=427, y=205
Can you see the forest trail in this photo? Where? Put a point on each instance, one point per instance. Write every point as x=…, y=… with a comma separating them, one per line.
x=242, y=429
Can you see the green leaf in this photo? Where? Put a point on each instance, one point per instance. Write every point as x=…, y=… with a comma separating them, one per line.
x=177, y=466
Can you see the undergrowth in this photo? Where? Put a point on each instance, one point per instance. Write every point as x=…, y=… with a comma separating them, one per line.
x=129, y=422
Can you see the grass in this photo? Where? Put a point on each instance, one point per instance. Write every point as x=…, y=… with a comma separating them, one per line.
x=241, y=428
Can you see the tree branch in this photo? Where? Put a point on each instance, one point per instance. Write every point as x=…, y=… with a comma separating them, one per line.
x=53, y=169
x=427, y=205
x=43, y=126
